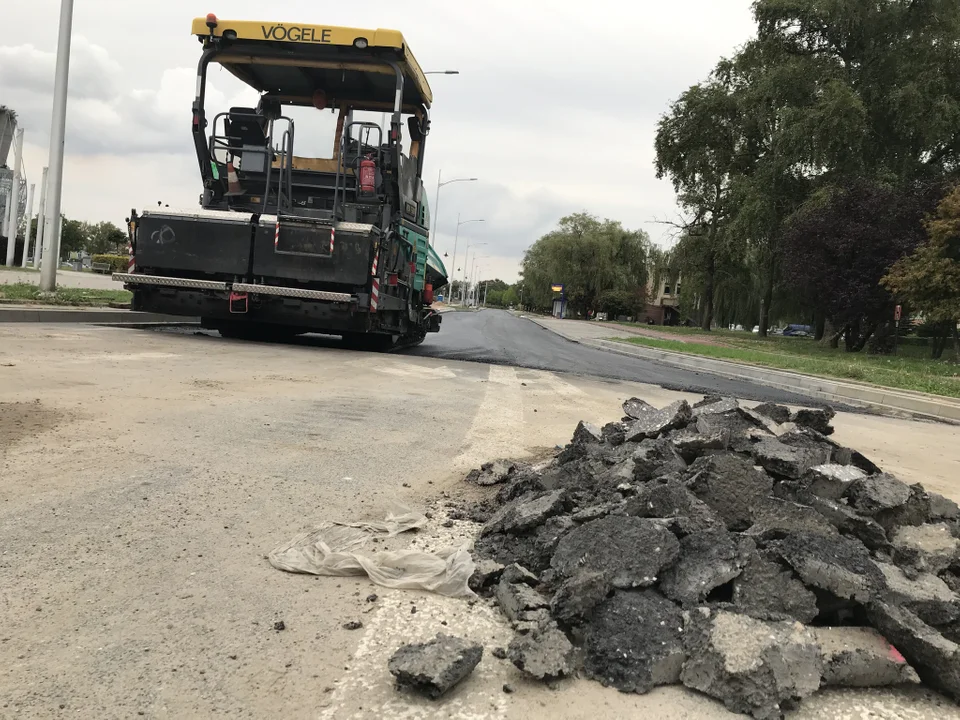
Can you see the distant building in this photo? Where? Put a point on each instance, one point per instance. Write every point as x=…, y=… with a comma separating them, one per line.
x=663, y=307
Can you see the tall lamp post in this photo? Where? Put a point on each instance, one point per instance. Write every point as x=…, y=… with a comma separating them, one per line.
x=51, y=235
x=453, y=264
x=474, y=277
x=466, y=264
x=436, y=204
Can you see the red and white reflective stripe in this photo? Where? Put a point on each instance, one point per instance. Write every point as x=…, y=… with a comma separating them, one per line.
x=333, y=232
x=375, y=285
x=131, y=262
x=276, y=235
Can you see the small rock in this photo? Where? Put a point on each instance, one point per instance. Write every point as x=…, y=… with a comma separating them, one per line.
x=767, y=591
x=610, y=545
x=515, y=599
x=861, y=657
x=636, y=408
x=499, y=653
x=372, y=597
x=577, y=596
x=434, y=667
x=927, y=548
x=872, y=494
x=752, y=666
x=651, y=424
x=279, y=625
x=832, y=481
x=486, y=572
x=353, y=625
x=815, y=419
x=508, y=688
x=634, y=642
x=778, y=413
x=785, y=461
x=525, y=513
x=544, y=653
x=518, y=574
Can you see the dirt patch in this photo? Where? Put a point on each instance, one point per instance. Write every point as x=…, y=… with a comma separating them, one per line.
x=21, y=420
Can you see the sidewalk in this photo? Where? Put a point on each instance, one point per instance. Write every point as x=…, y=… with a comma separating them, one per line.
x=99, y=315
x=887, y=400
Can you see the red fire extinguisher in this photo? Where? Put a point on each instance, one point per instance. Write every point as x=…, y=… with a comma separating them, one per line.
x=368, y=176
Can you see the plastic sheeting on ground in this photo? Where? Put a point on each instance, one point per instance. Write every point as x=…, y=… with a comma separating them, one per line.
x=333, y=549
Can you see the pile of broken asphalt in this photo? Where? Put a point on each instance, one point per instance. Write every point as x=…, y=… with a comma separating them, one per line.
x=739, y=552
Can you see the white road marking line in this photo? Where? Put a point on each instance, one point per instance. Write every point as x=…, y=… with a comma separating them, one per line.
x=498, y=422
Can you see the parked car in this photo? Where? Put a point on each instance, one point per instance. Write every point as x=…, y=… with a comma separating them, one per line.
x=797, y=331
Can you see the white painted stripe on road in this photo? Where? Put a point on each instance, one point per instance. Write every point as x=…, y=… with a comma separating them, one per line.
x=366, y=690
x=498, y=422
x=559, y=386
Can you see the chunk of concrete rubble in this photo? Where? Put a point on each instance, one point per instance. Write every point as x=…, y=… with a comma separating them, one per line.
x=926, y=595
x=432, y=668
x=738, y=430
x=505, y=549
x=495, y=472
x=630, y=551
x=614, y=433
x=872, y=494
x=653, y=458
x=942, y=508
x=765, y=590
x=935, y=658
x=515, y=599
x=577, y=596
x=752, y=666
x=673, y=500
x=861, y=657
x=544, y=653
x=927, y=548
x=549, y=534
x=721, y=405
x=780, y=414
x=707, y=561
x=525, y=512
x=690, y=444
x=774, y=517
x=731, y=486
x=485, y=573
x=651, y=424
x=838, y=565
x=815, y=418
x=515, y=573
x=848, y=522
x=832, y=481
x=915, y=511
x=595, y=512
x=634, y=642
x=779, y=459
x=636, y=409
x=587, y=433
x=520, y=485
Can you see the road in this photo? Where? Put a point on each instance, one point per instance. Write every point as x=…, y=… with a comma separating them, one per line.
x=146, y=475
x=501, y=338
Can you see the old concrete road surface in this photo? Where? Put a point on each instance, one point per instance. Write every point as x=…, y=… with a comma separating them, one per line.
x=496, y=336
x=145, y=477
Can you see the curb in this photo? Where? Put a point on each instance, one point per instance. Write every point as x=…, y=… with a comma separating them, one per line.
x=97, y=316
x=888, y=400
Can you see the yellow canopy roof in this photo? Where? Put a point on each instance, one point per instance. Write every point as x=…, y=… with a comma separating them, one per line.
x=314, y=48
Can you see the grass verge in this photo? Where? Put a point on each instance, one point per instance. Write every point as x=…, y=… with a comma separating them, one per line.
x=907, y=371
x=82, y=297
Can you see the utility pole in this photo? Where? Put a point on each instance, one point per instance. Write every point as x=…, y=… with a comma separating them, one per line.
x=26, y=233
x=58, y=126
x=38, y=248
x=13, y=217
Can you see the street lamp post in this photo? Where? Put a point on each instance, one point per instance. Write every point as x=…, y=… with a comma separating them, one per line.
x=453, y=264
x=436, y=204
x=474, y=282
x=466, y=263
x=48, y=273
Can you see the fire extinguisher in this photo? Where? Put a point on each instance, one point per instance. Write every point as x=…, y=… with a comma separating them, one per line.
x=368, y=176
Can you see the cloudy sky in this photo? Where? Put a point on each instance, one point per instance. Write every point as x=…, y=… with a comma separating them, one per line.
x=554, y=110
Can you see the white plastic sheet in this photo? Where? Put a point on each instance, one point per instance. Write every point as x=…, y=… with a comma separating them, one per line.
x=334, y=549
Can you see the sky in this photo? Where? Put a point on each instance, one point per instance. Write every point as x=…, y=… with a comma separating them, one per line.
x=554, y=110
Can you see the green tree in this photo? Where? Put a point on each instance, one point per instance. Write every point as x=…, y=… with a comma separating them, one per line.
x=929, y=279
x=697, y=148
x=104, y=238
x=587, y=256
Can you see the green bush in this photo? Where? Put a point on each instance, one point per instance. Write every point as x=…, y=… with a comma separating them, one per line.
x=117, y=263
